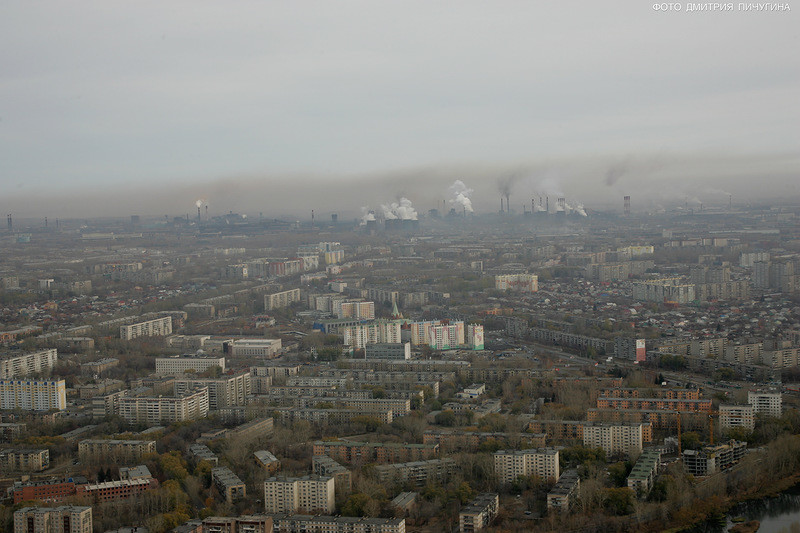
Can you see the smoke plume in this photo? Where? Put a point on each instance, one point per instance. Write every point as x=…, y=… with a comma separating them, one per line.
x=460, y=195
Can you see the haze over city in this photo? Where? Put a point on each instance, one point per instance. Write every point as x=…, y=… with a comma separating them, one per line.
x=284, y=108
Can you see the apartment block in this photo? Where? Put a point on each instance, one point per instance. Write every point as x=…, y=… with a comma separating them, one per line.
x=517, y=282
x=737, y=416
x=511, y=464
x=668, y=290
x=416, y=472
x=66, y=519
x=710, y=459
x=479, y=513
x=33, y=395
x=613, y=439
x=116, y=451
x=266, y=460
x=768, y=403
x=322, y=465
x=277, y=300
x=377, y=332
x=644, y=472
x=18, y=366
x=115, y=490
x=310, y=494
x=372, y=452
x=228, y=484
x=238, y=524
x=24, y=460
x=471, y=441
x=149, y=328
x=666, y=404
x=158, y=410
x=563, y=494
x=201, y=452
x=337, y=524
x=178, y=365
x=224, y=391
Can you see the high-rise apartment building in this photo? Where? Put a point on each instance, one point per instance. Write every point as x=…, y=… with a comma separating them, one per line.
x=33, y=395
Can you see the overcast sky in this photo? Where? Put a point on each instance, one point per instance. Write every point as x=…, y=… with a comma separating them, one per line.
x=248, y=104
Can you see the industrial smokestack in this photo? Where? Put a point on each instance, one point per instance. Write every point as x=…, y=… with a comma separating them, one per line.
x=198, y=214
x=10, y=223
x=508, y=203
x=627, y=205
x=312, y=219
x=206, y=211
x=57, y=225
x=547, y=200
x=730, y=202
x=533, y=205
x=501, y=204
x=45, y=222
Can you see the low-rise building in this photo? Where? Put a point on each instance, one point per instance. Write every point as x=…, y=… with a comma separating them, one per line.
x=479, y=513
x=562, y=496
x=179, y=365
x=267, y=461
x=25, y=460
x=285, y=523
x=417, y=472
x=228, y=484
x=644, y=472
x=65, y=519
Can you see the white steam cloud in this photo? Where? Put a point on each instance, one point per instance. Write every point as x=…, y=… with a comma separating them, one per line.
x=460, y=196
x=402, y=210
x=366, y=216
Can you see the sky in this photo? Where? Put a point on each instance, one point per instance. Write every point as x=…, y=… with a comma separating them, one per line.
x=280, y=106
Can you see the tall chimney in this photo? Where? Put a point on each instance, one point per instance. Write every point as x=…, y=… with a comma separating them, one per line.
x=508, y=203
x=627, y=205
x=501, y=204
x=198, y=213
x=45, y=222
x=10, y=223
x=547, y=200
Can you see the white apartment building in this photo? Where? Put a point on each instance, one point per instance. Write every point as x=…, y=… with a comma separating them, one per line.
x=167, y=366
x=17, y=366
x=768, y=403
x=447, y=336
x=426, y=333
x=156, y=410
x=308, y=494
x=255, y=347
x=517, y=282
x=281, y=299
x=356, y=309
x=737, y=416
x=614, y=439
x=149, y=328
x=33, y=395
x=378, y=332
x=511, y=464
